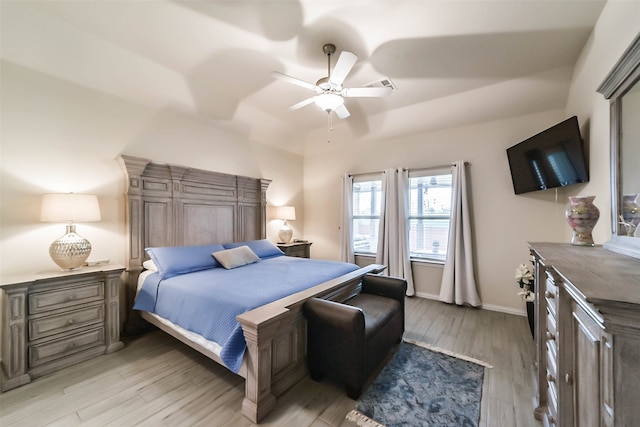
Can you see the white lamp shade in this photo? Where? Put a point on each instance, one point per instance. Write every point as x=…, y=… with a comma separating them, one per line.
x=287, y=213
x=328, y=101
x=70, y=207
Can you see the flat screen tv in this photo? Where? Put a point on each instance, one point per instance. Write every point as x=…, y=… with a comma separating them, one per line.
x=553, y=158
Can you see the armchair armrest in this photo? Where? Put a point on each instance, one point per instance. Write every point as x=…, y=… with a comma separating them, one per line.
x=335, y=343
x=334, y=315
x=386, y=286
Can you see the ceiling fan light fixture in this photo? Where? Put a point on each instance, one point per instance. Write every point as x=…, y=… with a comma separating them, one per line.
x=328, y=101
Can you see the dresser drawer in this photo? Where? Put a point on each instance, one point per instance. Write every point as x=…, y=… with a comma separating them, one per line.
x=552, y=355
x=553, y=405
x=552, y=330
x=47, y=326
x=40, y=302
x=46, y=352
x=300, y=252
x=551, y=295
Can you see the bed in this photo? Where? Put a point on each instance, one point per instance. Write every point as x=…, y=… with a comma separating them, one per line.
x=170, y=206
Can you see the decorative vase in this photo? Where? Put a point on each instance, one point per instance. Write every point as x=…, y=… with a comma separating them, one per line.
x=631, y=213
x=582, y=215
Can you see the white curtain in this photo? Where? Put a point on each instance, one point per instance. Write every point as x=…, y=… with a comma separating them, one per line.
x=346, y=233
x=458, y=278
x=393, y=236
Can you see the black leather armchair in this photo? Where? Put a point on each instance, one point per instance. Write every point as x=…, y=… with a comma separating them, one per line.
x=348, y=341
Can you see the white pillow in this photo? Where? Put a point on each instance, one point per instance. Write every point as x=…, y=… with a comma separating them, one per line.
x=236, y=257
x=150, y=265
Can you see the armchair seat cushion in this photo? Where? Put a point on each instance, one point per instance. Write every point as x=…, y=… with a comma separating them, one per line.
x=377, y=311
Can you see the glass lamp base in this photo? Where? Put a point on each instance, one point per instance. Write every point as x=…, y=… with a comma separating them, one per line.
x=70, y=251
x=285, y=234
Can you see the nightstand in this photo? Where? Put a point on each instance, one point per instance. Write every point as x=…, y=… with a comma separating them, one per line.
x=296, y=249
x=55, y=319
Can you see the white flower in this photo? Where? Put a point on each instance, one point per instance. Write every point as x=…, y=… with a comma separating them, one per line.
x=524, y=274
x=527, y=295
x=524, y=278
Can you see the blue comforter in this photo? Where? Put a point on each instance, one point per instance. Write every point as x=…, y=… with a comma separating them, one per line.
x=207, y=302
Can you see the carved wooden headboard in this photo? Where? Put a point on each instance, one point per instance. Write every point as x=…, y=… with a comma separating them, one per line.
x=169, y=205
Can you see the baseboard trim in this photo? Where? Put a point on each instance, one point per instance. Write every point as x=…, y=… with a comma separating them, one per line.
x=489, y=307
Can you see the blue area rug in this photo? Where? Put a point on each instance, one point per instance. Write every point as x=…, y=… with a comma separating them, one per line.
x=422, y=387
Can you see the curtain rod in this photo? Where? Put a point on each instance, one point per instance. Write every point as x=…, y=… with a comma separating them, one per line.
x=419, y=169
x=365, y=173
x=441, y=166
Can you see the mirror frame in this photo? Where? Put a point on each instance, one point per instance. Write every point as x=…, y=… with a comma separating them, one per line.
x=622, y=77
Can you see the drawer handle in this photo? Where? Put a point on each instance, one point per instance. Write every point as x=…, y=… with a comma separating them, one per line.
x=71, y=297
x=71, y=346
x=551, y=378
x=550, y=336
x=567, y=379
x=549, y=294
x=70, y=322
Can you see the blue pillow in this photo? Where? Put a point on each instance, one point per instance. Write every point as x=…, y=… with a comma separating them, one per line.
x=263, y=248
x=174, y=260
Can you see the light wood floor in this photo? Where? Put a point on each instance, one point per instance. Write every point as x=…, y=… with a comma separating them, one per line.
x=157, y=381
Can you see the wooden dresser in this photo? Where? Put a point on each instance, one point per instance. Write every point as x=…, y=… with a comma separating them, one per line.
x=587, y=336
x=55, y=319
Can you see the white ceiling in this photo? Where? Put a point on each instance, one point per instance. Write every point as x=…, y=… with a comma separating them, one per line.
x=454, y=62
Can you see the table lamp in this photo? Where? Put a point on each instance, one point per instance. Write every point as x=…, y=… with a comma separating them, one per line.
x=71, y=250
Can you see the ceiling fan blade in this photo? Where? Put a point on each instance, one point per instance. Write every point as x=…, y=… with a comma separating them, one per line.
x=342, y=112
x=293, y=80
x=345, y=63
x=366, y=92
x=302, y=103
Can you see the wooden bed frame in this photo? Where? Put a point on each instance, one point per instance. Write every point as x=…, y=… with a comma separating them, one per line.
x=168, y=205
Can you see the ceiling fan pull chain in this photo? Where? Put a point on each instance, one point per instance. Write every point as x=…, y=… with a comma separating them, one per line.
x=330, y=126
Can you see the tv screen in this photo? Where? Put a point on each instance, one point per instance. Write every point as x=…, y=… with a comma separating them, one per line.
x=552, y=158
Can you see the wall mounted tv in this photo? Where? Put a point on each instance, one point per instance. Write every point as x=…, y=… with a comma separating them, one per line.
x=553, y=158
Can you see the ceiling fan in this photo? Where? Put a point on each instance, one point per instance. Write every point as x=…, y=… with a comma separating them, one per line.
x=329, y=91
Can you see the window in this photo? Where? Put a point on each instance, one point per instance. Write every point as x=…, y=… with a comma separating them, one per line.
x=429, y=214
x=367, y=193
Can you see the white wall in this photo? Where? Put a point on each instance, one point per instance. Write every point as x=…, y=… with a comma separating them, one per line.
x=58, y=136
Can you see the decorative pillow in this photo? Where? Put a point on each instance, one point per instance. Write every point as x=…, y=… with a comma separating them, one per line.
x=174, y=260
x=236, y=257
x=263, y=248
x=150, y=265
